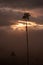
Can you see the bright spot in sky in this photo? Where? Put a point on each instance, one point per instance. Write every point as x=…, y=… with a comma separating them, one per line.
x=21, y=25
x=18, y=26
x=29, y=23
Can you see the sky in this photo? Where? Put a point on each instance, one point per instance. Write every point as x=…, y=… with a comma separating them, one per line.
x=11, y=11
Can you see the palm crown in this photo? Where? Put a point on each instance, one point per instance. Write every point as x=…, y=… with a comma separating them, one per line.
x=26, y=16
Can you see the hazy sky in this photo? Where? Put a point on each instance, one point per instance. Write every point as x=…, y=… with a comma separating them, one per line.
x=9, y=10
x=13, y=40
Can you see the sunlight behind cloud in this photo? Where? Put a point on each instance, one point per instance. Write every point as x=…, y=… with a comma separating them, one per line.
x=18, y=26
x=29, y=23
x=21, y=25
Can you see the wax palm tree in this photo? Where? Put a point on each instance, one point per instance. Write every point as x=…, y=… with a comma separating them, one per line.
x=26, y=18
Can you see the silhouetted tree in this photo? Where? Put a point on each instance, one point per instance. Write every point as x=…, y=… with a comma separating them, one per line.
x=26, y=18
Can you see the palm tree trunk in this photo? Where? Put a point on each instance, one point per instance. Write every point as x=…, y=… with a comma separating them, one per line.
x=27, y=44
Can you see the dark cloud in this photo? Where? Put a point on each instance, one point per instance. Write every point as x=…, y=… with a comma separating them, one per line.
x=22, y=3
x=38, y=20
x=6, y=16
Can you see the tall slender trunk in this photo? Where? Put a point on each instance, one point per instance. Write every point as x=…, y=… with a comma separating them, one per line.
x=27, y=44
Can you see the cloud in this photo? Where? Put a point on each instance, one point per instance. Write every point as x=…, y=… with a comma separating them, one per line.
x=22, y=3
x=12, y=10
x=8, y=16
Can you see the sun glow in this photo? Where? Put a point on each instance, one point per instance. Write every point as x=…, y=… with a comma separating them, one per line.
x=20, y=25
x=29, y=23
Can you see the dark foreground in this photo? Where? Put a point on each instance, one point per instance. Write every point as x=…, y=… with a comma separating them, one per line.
x=12, y=61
